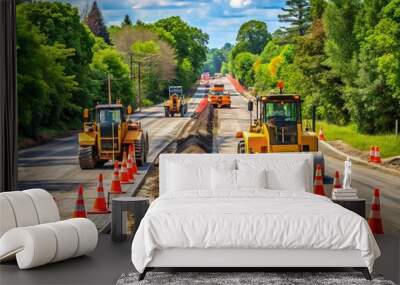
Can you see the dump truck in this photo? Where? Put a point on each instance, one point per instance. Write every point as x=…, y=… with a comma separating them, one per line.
x=108, y=133
x=218, y=97
x=278, y=127
x=176, y=102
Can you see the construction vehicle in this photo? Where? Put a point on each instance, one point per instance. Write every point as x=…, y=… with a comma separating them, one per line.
x=218, y=97
x=109, y=135
x=278, y=127
x=176, y=102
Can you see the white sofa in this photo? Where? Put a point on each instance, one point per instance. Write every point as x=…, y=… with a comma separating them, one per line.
x=31, y=231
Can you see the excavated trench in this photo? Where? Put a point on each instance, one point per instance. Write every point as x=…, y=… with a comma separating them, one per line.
x=195, y=137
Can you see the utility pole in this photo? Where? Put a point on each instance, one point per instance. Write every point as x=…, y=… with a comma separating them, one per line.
x=109, y=89
x=139, y=86
x=131, y=59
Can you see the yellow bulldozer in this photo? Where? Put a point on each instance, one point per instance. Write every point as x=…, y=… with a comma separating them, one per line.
x=109, y=134
x=278, y=127
x=176, y=102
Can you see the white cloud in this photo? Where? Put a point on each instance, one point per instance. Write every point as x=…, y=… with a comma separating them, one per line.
x=239, y=3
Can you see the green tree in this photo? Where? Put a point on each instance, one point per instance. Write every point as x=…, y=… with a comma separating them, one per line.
x=253, y=35
x=190, y=42
x=95, y=22
x=127, y=21
x=243, y=68
x=341, y=44
x=375, y=100
x=297, y=15
x=51, y=18
x=44, y=88
x=108, y=61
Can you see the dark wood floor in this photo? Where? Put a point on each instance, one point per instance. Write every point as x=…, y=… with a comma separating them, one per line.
x=106, y=264
x=103, y=266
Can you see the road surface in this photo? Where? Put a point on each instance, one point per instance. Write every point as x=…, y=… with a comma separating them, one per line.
x=54, y=166
x=364, y=179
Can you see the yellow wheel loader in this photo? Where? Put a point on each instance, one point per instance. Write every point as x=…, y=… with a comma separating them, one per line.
x=176, y=102
x=278, y=127
x=109, y=135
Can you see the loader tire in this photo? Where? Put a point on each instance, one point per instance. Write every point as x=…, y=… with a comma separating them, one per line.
x=166, y=110
x=241, y=147
x=141, y=150
x=87, y=157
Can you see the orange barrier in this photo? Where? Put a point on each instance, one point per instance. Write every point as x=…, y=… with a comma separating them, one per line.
x=239, y=88
x=99, y=206
x=318, y=182
x=321, y=135
x=115, y=184
x=80, y=211
x=124, y=175
x=201, y=106
x=336, y=181
x=375, y=220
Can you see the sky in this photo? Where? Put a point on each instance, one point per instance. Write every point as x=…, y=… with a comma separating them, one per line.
x=221, y=19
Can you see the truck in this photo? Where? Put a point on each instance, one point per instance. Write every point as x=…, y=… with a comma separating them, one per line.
x=218, y=97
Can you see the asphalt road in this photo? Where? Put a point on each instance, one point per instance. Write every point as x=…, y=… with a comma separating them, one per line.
x=364, y=179
x=54, y=166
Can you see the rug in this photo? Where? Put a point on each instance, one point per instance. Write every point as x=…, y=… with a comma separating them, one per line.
x=236, y=278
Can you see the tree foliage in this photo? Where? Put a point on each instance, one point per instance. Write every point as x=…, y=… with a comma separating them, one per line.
x=297, y=15
x=343, y=58
x=95, y=22
x=254, y=36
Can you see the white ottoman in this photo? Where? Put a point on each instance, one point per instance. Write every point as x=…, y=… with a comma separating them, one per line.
x=31, y=232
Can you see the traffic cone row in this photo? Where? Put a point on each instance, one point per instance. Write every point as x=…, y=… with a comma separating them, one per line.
x=321, y=135
x=374, y=155
x=318, y=182
x=375, y=219
x=129, y=169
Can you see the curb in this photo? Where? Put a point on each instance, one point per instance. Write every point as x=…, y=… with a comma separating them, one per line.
x=326, y=148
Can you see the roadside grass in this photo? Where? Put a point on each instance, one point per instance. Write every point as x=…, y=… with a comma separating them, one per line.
x=389, y=144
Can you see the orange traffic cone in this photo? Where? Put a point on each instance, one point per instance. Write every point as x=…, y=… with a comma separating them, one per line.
x=318, y=182
x=133, y=157
x=124, y=175
x=377, y=157
x=371, y=155
x=375, y=220
x=321, y=135
x=80, y=211
x=336, y=181
x=131, y=175
x=99, y=206
x=115, y=184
